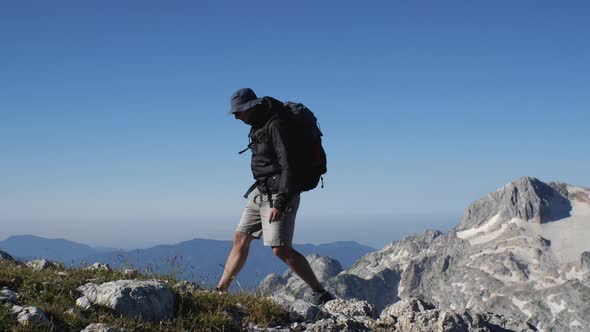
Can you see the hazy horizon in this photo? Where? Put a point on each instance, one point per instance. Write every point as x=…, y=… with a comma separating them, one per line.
x=384, y=229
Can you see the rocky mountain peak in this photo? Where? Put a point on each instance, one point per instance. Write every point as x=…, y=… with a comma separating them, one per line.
x=527, y=199
x=324, y=267
x=521, y=251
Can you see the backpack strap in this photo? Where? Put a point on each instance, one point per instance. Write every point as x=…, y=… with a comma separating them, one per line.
x=251, y=189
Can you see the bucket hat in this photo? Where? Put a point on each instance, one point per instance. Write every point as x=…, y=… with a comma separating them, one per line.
x=242, y=100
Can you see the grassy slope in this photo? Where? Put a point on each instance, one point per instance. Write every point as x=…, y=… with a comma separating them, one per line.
x=195, y=310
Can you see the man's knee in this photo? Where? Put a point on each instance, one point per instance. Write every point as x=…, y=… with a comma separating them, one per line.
x=242, y=240
x=283, y=252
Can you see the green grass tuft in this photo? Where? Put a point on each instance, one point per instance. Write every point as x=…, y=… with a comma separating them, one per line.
x=196, y=310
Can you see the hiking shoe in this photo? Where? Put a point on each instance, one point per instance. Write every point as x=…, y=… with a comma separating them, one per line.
x=319, y=298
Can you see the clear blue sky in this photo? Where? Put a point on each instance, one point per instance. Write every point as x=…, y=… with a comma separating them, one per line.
x=113, y=125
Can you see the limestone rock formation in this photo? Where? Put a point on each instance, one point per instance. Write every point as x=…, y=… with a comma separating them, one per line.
x=29, y=316
x=324, y=267
x=300, y=310
x=42, y=264
x=521, y=252
x=412, y=314
x=351, y=307
x=149, y=300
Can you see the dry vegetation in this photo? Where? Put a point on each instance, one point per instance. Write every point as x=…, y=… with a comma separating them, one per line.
x=196, y=309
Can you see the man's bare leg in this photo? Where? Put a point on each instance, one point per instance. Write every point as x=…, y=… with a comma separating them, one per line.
x=236, y=259
x=298, y=264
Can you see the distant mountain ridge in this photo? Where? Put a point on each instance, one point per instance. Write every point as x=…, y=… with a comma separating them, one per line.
x=27, y=247
x=198, y=259
x=521, y=251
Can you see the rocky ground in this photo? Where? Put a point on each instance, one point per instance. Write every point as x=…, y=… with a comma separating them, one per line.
x=520, y=252
x=40, y=295
x=96, y=303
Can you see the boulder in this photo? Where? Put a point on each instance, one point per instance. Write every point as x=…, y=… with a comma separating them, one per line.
x=289, y=284
x=299, y=310
x=43, y=264
x=350, y=307
x=341, y=323
x=99, y=267
x=29, y=316
x=149, y=300
x=8, y=296
x=405, y=306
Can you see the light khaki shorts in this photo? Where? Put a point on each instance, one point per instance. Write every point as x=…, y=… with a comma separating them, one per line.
x=255, y=220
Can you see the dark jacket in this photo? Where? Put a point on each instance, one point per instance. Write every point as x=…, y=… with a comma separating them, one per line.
x=270, y=157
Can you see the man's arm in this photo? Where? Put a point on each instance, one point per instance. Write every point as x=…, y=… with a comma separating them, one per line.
x=278, y=134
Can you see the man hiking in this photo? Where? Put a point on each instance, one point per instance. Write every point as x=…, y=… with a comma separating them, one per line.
x=272, y=208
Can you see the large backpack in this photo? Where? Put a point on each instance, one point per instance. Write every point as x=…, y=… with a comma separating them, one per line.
x=307, y=155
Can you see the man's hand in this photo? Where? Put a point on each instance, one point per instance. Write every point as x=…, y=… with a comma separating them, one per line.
x=275, y=215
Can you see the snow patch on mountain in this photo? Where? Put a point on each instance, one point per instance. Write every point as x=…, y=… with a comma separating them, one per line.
x=487, y=232
x=568, y=236
x=486, y=227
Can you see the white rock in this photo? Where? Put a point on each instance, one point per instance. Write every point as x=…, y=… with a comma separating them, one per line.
x=83, y=303
x=341, y=323
x=8, y=296
x=98, y=327
x=148, y=300
x=29, y=315
x=42, y=264
x=16, y=309
x=405, y=306
x=130, y=273
x=99, y=266
x=350, y=307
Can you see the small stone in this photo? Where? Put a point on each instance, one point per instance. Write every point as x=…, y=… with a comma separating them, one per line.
x=185, y=287
x=8, y=296
x=130, y=273
x=99, y=327
x=99, y=267
x=73, y=312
